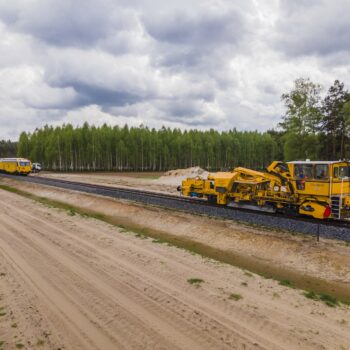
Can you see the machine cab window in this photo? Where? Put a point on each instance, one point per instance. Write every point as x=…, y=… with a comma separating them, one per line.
x=342, y=172
x=321, y=171
x=303, y=171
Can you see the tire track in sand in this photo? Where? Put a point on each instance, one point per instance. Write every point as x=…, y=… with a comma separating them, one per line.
x=70, y=244
x=201, y=315
x=140, y=298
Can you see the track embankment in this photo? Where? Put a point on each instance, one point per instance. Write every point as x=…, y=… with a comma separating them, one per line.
x=69, y=282
x=333, y=229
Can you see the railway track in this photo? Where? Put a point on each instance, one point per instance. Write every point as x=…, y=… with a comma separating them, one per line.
x=327, y=229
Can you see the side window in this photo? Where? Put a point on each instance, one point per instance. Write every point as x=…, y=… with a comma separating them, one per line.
x=342, y=172
x=298, y=171
x=321, y=171
x=303, y=171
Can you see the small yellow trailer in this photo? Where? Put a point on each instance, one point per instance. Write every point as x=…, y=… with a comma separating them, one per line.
x=16, y=166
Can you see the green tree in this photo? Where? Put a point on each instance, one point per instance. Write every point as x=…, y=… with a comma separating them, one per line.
x=301, y=120
x=334, y=121
x=8, y=149
x=346, y=114
x=23, y=145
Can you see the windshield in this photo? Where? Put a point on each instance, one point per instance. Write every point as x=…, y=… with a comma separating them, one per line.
x=24, y=163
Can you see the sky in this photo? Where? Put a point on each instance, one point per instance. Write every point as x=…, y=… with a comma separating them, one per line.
x=201, y=64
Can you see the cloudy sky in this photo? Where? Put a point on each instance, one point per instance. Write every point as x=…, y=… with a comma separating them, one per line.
x=185, y=63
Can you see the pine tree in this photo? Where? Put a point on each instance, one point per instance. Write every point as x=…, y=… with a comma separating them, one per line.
x=334, y=121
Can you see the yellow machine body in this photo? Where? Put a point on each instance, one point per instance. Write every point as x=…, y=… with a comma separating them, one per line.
x=320, y=189
x=16, y=166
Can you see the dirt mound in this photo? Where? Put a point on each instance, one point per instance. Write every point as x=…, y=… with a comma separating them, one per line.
x=174, y=177
x=190, y=172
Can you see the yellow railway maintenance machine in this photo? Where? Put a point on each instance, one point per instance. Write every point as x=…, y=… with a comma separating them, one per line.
x=16, y=166
x=315, y=188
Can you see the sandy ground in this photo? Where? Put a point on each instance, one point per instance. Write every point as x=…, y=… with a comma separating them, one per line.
x=159, y=182
x=328, y=259
x=68, y=282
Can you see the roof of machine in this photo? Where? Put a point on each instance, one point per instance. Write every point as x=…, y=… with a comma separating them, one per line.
x=317, y=162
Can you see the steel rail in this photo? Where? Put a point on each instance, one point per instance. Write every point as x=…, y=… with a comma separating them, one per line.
x=328, y=228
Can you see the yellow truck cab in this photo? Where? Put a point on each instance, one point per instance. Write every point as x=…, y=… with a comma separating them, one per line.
x=323, y=182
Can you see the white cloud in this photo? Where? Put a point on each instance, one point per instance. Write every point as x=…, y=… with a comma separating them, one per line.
x=186, y=63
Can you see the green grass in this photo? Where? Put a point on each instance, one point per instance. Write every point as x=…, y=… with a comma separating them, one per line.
x=150, y=177
x=19, y=346
x=158, y=240
x=234, y=296
x=329, y=300
x=345, y=302
x=311, y=295
x=14, y=325
x=286, y=283
x=265, y=275
x=96, y=216
x=246, y=273
x=2, y=313
x=195, y=281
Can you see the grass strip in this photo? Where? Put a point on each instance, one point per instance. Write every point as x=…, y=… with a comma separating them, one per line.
x=326, y=298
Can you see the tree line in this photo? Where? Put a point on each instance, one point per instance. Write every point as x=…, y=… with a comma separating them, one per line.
x=314, y=125
x=90, y=148
x=8, y=149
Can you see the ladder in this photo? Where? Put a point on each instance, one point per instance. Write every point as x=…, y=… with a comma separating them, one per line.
x=336, y=206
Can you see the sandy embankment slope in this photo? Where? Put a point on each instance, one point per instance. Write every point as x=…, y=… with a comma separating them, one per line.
x=158, y=182
x=69, y=282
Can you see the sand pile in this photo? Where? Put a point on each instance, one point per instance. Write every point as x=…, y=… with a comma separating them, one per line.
x=174, y=177
x=194, y=171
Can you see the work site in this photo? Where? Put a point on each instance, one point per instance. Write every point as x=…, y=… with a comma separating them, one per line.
x=87, y=267
x=174, y=175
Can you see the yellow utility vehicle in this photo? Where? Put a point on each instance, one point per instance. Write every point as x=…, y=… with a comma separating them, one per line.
x=16, y=166
x=320, y=189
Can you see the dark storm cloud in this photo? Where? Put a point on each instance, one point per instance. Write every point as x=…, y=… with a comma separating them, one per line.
x=185, y=111
x=89, y=94
x=180, y=109
x=313, y=27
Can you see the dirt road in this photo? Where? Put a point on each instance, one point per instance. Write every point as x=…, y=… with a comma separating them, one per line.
x=68, y=282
